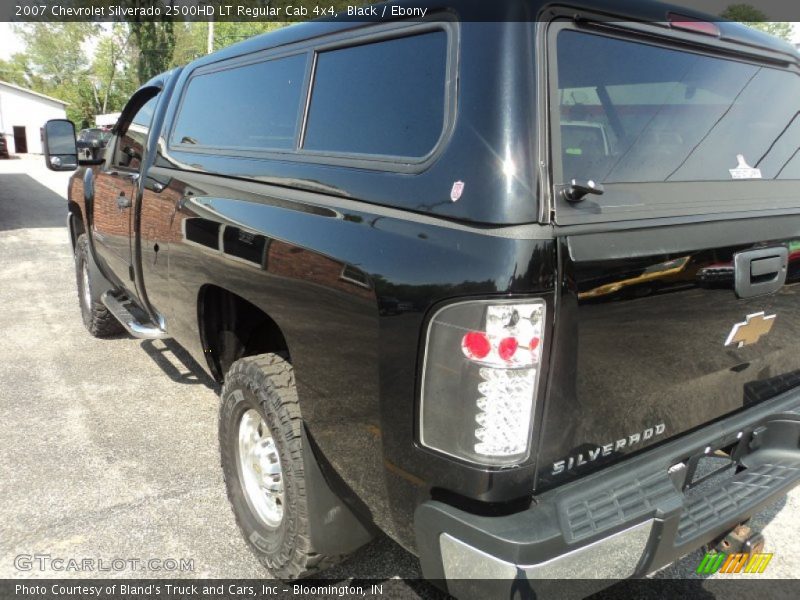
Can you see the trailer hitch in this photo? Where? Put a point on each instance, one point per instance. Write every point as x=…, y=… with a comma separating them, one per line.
x=741, y=539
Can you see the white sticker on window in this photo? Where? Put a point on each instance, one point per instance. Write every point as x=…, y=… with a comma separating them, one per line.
x=743, y=170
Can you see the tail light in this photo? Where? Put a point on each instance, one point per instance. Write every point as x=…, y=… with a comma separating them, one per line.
x=686, y=23
x=480, y=375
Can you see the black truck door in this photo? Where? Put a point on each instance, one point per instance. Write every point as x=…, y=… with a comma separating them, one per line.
x=115, y=187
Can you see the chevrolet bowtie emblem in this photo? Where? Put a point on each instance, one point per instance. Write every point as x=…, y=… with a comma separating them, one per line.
x=749, y=331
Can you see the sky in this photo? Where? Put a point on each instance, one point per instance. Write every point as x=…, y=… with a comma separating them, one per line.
x=11, y=42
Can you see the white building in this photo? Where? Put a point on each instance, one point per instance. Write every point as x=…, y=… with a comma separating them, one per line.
x=23, y=114
x=106, y=120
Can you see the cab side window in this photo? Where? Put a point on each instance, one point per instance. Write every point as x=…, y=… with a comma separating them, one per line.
x=384, y=98
x=255, y=106
x=132, y=141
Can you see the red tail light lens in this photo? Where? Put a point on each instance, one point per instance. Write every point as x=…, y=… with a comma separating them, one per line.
x=507, y=347
x=691, y=24
x=476, y=345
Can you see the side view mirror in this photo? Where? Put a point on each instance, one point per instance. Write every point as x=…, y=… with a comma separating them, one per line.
x=60, y=151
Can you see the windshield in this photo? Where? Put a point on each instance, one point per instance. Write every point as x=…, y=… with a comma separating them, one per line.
x=90, y=135
x=632, y=112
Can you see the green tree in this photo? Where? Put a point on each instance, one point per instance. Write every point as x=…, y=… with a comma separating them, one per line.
x=55, y=50
x=17, y=71
x=752, y=17
x=227, y=33
x=190, y=42
x=56, y=64
x=191, y=39
x=154, y=40
x=112, y=71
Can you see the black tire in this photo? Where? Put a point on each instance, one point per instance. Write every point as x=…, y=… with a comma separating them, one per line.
x=96, y=317
x=266, y=383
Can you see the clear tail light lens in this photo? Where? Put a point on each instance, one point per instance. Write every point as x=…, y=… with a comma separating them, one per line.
x=480, y=375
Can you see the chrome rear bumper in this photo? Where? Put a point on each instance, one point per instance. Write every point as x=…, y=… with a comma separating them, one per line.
x=614, y=557
x=627, y=520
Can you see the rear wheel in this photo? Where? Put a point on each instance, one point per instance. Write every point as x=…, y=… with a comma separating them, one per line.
x=261, y=444
x=96, y=317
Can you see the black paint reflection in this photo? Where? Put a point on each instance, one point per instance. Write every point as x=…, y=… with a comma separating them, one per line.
x=648, y=349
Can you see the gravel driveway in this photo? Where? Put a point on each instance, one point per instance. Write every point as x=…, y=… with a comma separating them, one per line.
x=109, y=447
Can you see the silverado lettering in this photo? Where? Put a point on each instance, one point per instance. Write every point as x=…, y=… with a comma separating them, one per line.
x=128, y=12
x=593, y=454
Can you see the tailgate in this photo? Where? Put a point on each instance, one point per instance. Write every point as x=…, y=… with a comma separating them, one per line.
x=678, y=300
x=658, y=344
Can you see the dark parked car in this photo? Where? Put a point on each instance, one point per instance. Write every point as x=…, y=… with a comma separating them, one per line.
x=276, y=206
x=3, y=147
x=92, y=142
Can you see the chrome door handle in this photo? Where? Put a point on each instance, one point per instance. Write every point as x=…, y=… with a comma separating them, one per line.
x=133, y=177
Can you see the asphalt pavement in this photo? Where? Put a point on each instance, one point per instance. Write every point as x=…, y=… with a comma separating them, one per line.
x=108, y=448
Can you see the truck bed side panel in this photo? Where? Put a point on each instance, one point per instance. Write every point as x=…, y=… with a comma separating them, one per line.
x=350, y=289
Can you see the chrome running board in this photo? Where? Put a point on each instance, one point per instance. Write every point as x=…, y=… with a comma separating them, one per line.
x=138, y=329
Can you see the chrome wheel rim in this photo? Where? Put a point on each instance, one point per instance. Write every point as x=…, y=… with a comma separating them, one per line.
x=87, y=293
x=260, y=466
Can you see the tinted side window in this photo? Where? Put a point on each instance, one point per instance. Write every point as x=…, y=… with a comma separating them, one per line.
x=253, y=106
x=632, y=112
x=131, y=144
x=385, y=98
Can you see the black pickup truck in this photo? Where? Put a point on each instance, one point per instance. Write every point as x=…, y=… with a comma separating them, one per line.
x=506, y=282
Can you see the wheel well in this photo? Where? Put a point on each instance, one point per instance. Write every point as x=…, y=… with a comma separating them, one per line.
x=76, y=222
x=232, y=328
